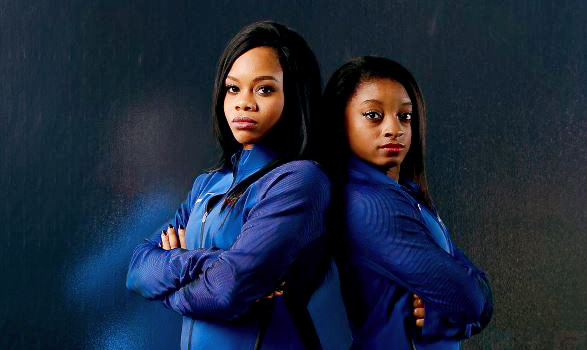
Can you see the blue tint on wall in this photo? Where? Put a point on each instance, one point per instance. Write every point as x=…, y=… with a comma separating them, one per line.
x=96, y=284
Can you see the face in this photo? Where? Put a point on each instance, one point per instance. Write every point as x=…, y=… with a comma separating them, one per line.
x=254, y=95
x=377, y=121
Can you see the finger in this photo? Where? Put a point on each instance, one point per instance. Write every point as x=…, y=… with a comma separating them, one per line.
x=419, y=312
x=181, y=234
x=420, y=322
x=173, y=241
x=418, y=303
x=165, y=241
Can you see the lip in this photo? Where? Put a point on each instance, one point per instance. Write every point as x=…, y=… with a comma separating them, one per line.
x=392, y=147
x=244, y=123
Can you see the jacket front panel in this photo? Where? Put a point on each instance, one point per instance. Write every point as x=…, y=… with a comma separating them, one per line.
x=239, y=254
x=395, y=246
x=211, y=226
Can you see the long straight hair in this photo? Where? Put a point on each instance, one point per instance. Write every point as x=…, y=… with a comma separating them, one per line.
x=341, y=87
x=290, y=136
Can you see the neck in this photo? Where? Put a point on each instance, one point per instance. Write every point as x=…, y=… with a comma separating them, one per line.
x=393, y=173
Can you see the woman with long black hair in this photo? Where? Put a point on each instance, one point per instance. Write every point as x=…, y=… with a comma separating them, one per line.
x=244, y=252
x=404, y=283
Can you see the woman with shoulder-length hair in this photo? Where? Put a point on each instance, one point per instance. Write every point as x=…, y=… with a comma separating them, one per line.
x=404, y=283
x=244, y=252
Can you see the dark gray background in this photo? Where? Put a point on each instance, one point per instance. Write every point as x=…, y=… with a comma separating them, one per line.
x=105, y=122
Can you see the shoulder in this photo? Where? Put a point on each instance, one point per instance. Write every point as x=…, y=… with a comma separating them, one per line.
x=382, y=195
x=303, y=168
x=370, y=204
x=304, y=176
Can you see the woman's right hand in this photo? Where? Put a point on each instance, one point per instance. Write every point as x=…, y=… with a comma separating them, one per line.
x=171, y=240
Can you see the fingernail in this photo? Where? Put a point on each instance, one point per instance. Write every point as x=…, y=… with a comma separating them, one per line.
x=181, y=227
x=164, y=232
x=170, y=226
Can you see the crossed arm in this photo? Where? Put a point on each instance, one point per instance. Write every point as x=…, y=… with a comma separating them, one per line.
x=224, y=284
x=395, y=243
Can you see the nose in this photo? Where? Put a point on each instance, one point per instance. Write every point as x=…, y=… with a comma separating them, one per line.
x=393, y=128
x=246, y=103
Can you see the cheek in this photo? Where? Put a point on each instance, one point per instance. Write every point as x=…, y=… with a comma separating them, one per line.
x=358, y=135
x=278, y=109
x=226, y=105
x=408, y=139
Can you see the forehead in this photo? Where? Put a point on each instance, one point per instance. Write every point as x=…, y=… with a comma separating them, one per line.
x=257, y=61
x=383, y=90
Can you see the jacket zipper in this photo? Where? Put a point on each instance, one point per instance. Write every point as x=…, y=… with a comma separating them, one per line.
x=201, y=243
x=445, y=233
x=442, y=228
x=191, y=331
x=202, y=228
x=412, y=345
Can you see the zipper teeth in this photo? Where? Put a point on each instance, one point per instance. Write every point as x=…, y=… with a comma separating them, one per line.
x=445, y=233
x=442, y=228
x=202, y=229
x=191, y=332
x=193, y=322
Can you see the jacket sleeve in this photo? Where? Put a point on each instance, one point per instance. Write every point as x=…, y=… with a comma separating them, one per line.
x=386, y=227
x=154, y=271
x=288, y=217
x=438, y=325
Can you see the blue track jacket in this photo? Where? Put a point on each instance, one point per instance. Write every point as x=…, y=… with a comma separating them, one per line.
x=238, y=255
x=396, y=246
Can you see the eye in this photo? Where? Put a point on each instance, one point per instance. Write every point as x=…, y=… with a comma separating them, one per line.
x=373, y=115
x=232, y=89
x=405, y=116
x=265, y=90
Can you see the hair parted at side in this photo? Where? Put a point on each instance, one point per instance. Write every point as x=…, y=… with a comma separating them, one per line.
x=341, y=87
x=290, y=137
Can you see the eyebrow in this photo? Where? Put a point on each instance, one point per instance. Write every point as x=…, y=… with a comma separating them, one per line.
x=406, y=103
x=259, y=78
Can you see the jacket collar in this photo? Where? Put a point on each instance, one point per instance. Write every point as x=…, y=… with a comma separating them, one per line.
x=247, y=162
x=361, y=171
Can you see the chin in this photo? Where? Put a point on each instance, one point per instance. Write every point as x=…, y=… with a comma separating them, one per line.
x=244, y=137
x=387, y=163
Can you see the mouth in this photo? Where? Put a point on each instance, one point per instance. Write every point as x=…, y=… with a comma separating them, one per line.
x=392, y=147
x=243, y=123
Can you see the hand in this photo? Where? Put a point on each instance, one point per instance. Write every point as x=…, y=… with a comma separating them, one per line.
x=171, y=240
x=419, y=311
x=276, y=293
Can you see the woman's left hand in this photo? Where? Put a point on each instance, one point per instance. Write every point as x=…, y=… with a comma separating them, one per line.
x=171, y=240
x=419, y=311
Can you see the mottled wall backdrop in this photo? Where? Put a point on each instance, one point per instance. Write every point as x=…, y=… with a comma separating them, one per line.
x=105, y=122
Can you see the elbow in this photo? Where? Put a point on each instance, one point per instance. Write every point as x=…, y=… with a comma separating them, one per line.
x=136, y=278
x=485, y=310
x=135, y=283
x=480, y=307
x=132, y=281
x=232, y=302
x=229, y=303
